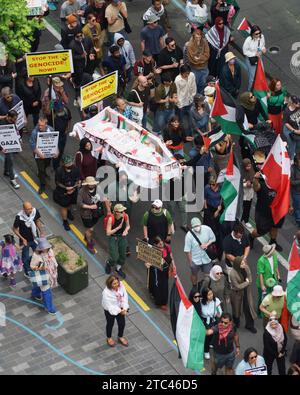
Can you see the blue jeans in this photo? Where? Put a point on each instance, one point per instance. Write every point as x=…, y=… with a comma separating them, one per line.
x=202, y=124
x=251, y=73
x=296, y=205
x=36, y=292
x=185, y=111
x=144, y=121
x=161, y=119
x=26, y=256
x=201, y=76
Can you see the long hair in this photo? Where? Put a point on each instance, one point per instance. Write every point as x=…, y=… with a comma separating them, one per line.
x=272, y=85
x=204, y=294
x=179, y=131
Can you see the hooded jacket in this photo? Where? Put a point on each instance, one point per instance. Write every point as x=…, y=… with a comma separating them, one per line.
x=126, y=50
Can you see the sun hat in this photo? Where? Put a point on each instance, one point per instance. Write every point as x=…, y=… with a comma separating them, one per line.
x=56, y=81
x=270, y=282
x=119, y=208
x=157, y=203
x=277, y=291
x=90, y=181
x=152, y=19
x=229, y=56
x=259, y=157
x=209, y=90
x=67, y=159
x=268, y=249
x=43, y=244
x=195, y=222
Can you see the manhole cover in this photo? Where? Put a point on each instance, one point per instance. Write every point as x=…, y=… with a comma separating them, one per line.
x=274, y=50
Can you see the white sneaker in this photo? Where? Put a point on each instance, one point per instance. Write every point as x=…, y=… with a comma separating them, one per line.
x=248, y=225
x=15, y=184
x=206, y=355
x=75, y=103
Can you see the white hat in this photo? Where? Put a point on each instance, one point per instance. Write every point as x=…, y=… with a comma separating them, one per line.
x=268, y=249
x=229, y=56
x=209, y=90
x=157, y=203
x=277, y=291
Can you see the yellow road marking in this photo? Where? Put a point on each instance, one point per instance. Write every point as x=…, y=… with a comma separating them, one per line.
x=79, y=235
x=32, y=183
x=136, y=297
x=175, y=342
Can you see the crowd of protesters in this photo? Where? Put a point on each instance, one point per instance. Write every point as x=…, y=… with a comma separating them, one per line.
x=175, y=86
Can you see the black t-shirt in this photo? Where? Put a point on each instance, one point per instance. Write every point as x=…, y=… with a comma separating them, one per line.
x=143, y=96
x=24, y=231
x=292, y=117
x=66, y=178
x=166, y=58
x=234, y=247
x=225, y=346
x=264, y=197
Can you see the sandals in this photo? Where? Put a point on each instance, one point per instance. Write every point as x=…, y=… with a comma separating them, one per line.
x=110, y=342
x=123, y=341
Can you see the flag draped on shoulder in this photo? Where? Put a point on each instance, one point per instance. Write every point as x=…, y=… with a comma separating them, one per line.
x=293, y=283
x=260, y=87
x=188, y=328
x=230, y=190
x=224, y=111
x=277, y=169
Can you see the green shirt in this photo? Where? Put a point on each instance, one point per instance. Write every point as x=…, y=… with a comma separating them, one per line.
x=264, y=268
x=273, y=304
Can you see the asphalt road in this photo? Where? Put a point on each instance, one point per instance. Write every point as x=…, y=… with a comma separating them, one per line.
x=134, y=269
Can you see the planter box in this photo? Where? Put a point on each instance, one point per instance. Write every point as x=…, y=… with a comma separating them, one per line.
x=72, y=268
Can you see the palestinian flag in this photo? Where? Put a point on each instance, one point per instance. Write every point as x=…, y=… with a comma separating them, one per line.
x=224, y=111
x=244, y=28
x=188, y=328
x=230, y=191
x=293, y=283
x=210, y=139
x=260, y=86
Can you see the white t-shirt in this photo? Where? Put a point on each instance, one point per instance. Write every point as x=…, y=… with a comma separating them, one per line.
x=211, y=310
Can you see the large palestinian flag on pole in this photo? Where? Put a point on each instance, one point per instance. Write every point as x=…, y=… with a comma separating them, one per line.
x=260, y=86
x=224, y=111
x=188, y=328
x=293, y=283
x=230, y=191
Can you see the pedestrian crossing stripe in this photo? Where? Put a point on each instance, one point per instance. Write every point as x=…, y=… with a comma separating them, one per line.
x=135, y=296
x=34, y=185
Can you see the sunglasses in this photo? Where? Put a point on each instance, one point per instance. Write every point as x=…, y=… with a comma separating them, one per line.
x=93, y=20
x=196, y=297
x=254, y=357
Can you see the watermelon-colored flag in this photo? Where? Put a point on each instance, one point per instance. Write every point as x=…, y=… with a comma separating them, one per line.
x=230, y=190
x=277, y=169
x=224, y=111
x=244, y=27
x=260, y=87
x=188, y=328
x=293, y=283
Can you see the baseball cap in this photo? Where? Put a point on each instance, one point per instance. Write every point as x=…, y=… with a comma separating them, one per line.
x=157, y=203
x=295, y=99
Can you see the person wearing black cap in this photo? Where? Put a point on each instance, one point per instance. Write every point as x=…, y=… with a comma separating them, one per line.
x=116, y=62
x=291, y=128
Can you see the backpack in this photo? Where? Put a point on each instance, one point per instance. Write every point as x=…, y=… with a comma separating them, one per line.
x=105, y=221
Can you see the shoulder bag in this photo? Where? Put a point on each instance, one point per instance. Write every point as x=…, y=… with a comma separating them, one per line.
x=211, y=250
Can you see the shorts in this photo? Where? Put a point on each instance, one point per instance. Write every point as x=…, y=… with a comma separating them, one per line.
x=264, y=225
x=195, y=269
x=64, y=200
x=226, y=360
x=89, y=222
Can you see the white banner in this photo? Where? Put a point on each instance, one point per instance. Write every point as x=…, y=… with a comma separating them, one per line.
x=21, y=120
x=137, y=114
x=9, y=139
x=47, y=143
x=259, y=371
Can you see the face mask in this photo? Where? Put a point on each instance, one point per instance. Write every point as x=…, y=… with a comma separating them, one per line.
x=232, y=61
x=91, y=189
x=197, y=229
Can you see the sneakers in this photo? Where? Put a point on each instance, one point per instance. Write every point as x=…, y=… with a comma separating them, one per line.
x=90, y=246
x=164, y=307
x=207, y=355
x=51, y=312
x=70, y=215
x=15, y=184
x=41, y=189
x=278, y=247
x=121, y=273
x=38, y=298
x=248, y=225
x=107, y=268
x=26, y=275
x=252, y=329
x=12, y=282
x=66, y=225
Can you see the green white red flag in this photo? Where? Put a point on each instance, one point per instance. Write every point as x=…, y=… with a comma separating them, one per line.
x=293, y=283
x=260, y=86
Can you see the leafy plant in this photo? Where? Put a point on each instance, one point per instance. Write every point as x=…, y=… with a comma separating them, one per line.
x=16, y=30
x=61, y=257
x=80, y=261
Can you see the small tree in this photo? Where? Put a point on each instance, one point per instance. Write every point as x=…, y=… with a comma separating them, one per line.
x=16, y=30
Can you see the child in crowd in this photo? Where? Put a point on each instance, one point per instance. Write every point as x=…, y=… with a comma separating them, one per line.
x=10, y=261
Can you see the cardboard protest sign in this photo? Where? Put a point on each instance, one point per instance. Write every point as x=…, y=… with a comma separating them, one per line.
x=49, y=63
x=47, y=143
x=9, y=139
x=149, y=254
x=21, y=120
x=98, y=90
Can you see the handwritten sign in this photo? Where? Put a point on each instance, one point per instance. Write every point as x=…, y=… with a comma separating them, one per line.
x=259, y=371
x=150, y=254
x=9, y=139
x=47, y=143
x=21, y=120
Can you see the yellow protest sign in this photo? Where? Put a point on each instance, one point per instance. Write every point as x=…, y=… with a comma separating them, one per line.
x=49, y=63
x=98, y=90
